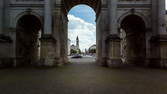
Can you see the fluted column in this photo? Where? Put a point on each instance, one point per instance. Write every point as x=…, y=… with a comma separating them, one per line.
x=161, y=16
x=162, y=33
x=154, y=17
x=48, y=18
x=113, y=41
x=1, y=14
x=112, y=16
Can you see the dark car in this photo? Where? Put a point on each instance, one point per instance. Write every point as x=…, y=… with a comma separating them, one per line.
x=76, y=56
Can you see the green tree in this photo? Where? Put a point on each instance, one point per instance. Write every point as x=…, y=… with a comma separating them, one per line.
x=92, y=50
x=72, y=51
x=79, y=51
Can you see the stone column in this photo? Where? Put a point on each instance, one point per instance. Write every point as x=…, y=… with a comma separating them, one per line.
x=101, y=32
x=112, y=16
x=154, y=17
x=48, y=50
x=113, y=51
x=64, y=38
x=1, y=15
x=158, y=31
x=161, y=16
x=57, y=30
x=113, y=41
x=48, y=42
x=47, y=18
x=162, y=33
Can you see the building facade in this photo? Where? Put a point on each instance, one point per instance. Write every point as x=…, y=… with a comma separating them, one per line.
x=35, y=31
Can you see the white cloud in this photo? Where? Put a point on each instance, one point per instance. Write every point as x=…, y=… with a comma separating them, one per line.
x=84, y=30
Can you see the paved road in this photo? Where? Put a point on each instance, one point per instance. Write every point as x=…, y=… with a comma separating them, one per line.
x=83, y=78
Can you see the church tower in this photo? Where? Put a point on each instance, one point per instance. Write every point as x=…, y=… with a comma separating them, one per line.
x=77, y=42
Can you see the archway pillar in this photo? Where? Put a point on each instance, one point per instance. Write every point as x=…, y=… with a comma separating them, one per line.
x=101, y=33
x=163, y=50
x=162, y=33
x=47, y=18
x=158, y=51
x=113, y=51
x=148, y=46
x=60, y=34
x=48, y=50
x=113, y=58
x=50, y=40
x=158, y=57
x=7, y=52
x=64, y=39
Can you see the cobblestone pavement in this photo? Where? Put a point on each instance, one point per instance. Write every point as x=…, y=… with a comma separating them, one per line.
x=83, y=78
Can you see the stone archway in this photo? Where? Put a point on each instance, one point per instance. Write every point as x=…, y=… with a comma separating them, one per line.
x=133, y=41
x=65, y=8
x=92, y=3
x=28, y=32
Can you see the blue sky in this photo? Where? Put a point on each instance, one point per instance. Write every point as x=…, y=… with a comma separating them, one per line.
x=82, y=24
x=84, y=12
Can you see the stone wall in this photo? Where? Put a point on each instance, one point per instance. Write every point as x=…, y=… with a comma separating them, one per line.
x=6, y=51
x=163, y=50
x=48, y=50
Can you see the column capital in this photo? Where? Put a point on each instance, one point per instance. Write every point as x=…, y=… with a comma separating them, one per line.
x=113, y=37
x=48, y=37
x=5, y=39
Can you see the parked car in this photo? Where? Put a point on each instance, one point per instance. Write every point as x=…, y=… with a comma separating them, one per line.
x=76, y=56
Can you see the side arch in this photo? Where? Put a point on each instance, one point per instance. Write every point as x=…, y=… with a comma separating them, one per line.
x=28, y=12
x=145, y=19
x=133, y=43
x=28, y=44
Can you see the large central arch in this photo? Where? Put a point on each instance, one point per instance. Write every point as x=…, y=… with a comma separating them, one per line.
x=67, y=5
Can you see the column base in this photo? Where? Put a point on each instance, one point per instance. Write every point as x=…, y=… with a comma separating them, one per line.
x=140, y=62
x=101, y=62
x=114, y=63
x=6, y=62
x=163, y=63
x=49, y=62
x=154, y=63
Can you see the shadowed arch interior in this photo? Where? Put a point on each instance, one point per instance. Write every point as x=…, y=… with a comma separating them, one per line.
x=135, y=49
x=27, y=39
x=91, y=3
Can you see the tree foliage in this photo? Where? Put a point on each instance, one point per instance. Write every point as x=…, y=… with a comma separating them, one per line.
x=92, y=50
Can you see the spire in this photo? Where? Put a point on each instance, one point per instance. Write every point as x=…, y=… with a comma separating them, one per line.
x=77, y=42
x=77, y=38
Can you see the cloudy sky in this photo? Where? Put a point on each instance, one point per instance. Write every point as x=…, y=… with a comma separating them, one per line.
x=82, y=24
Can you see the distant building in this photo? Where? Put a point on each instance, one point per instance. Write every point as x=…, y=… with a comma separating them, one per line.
x=75, y=47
